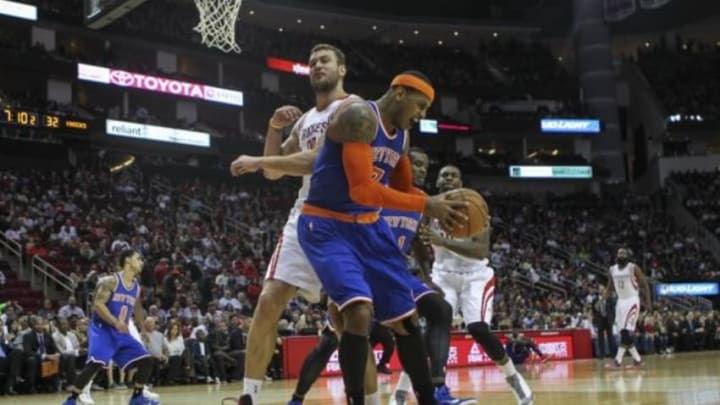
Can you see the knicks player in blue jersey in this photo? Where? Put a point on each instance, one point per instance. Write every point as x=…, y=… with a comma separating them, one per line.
x=353, y=252
x=116, y=301
x=431, y=306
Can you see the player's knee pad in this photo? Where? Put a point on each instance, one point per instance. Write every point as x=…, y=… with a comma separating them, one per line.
x=93, y=368
x=482, y=334
x=626, y=338
x=328, y=343
x=479, y=330
x=435, y=309
x=88, y=372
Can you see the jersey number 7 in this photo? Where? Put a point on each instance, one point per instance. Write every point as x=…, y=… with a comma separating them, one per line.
x=377, y=174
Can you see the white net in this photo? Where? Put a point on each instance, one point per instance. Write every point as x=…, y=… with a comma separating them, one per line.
x=217, y=23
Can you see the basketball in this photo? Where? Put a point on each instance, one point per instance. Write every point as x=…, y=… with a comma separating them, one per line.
x=477, y=212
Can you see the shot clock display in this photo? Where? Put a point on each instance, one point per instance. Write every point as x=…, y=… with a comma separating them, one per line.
x=26, y=118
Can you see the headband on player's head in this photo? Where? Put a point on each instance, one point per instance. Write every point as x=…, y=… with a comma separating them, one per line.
x=415, y=83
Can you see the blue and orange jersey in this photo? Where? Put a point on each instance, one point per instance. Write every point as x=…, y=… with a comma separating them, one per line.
x=122, y=301
x=404, y=225
x=329, y=187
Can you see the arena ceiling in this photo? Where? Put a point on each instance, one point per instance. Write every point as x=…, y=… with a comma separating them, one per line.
x=548, y=18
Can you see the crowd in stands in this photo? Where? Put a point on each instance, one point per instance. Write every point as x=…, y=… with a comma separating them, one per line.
x=592, y=228
x=700, y=192
x=683, y=74
x=207, y=246
x=207, y=242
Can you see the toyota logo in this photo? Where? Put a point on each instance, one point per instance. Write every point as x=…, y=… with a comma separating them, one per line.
x=121, y=78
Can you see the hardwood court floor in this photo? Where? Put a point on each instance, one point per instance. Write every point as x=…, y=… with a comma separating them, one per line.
x=683, y=379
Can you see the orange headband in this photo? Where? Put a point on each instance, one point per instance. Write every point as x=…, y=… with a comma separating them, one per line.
x=414, y=83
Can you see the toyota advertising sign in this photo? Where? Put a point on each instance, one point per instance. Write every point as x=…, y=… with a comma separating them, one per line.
x=123, y=78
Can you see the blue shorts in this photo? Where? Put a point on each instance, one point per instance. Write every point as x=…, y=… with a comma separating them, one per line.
x=106, y=343
x=358, y=262
x=419, y=288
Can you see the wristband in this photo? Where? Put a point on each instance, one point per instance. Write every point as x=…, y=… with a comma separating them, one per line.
x=275, y=126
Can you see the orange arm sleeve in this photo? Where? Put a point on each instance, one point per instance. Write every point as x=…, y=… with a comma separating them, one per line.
x=401, y=178
x=357, y=160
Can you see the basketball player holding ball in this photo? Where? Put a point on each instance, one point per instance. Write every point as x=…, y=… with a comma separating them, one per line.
x=461, y=271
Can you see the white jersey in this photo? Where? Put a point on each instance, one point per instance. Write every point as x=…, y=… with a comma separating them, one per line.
x=447, y=260
x=311, y=129
x=289, y=263
x=626, y=284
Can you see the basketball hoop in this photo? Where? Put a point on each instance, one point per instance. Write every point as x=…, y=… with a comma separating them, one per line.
x=217, y=23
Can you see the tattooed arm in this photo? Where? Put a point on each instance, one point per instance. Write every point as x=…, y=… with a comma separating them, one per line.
x=355, y=126
x=354, y=121
x=103, y=292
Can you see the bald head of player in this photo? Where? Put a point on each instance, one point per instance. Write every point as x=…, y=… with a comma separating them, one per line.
x=407, y=100
x=420, y=163
x=449, y=178
x=327, y=68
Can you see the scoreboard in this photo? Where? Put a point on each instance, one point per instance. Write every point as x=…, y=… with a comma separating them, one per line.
x=32, y=119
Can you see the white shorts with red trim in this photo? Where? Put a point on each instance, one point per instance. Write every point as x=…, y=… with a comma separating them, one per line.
x=626, y=313
x=289, y=264
x=470, y=292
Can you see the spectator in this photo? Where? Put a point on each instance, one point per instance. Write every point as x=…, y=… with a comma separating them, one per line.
x=68, y=346
x=71, y=309
x=202, y=357
x=176, y=349
x=519, y=348
x=47, y=311
x=11, y=361
x=154, y=342
x=38, y=346
x=67, y=232
x=237, y=342
x=228, y=302
x=218, y=341
x=212, y=264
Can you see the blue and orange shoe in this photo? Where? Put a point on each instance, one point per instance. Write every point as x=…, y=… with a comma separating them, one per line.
x=443, y=396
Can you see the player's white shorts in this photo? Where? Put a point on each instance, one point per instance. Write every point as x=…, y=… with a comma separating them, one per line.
x=471, y=292
x=626, y=313
x=289, y=264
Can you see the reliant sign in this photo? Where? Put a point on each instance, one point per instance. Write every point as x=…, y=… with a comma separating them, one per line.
x=159, y=134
